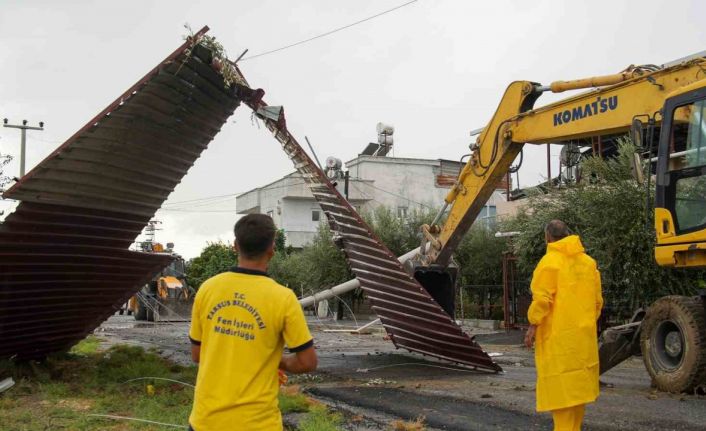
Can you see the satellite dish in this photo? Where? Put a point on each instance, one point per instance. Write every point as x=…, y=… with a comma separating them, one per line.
x=333, y=163
x=385, y=129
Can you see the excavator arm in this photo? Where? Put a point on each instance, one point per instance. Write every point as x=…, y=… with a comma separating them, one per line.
x=609, y=108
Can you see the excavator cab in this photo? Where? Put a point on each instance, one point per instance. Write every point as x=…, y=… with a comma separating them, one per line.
x=680, y=195
x=669, y=333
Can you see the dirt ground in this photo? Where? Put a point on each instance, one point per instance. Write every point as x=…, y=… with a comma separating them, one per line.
x=367, y=378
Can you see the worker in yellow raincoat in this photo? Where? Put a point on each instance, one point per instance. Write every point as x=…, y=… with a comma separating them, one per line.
x=566, y=303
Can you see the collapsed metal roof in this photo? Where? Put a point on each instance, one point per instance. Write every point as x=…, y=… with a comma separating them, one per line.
x=410, y=315
x=65, y=264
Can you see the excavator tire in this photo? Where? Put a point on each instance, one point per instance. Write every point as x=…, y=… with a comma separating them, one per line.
x=673, y=343
x=141, y=311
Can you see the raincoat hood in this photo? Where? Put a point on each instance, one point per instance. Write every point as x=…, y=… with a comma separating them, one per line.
x=569, y=246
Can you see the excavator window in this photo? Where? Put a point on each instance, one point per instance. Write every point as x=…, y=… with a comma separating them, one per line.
x=686, y=167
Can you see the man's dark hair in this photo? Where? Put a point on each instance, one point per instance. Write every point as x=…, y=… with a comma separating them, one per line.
x=557, y=229
x=254, y=234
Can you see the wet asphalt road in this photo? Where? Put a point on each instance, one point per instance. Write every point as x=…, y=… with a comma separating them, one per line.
x=365, y=374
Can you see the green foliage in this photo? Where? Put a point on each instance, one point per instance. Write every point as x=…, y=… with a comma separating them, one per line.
x=608, y=212
x=60, y=392
x=319, y=265
x=400, y=235
x=480, y=257
x=280, y=242
x=320, y=419
x=4, y=160
x=293, y=403
x=217, y=257
x=87, y=346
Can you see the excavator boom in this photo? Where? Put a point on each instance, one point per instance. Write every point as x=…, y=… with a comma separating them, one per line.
x=638, y=92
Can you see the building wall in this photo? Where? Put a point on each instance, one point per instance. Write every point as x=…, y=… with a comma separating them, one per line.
x=400, y=183
x=404, y=185
x=297, y=220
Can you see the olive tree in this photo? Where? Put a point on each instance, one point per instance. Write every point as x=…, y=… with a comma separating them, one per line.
x=608, y=210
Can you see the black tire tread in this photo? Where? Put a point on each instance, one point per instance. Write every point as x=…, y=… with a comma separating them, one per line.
x=141, y=312
x=694, y=316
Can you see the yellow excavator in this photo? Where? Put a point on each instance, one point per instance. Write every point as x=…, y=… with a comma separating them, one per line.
x=167, y=296
x=663, y=108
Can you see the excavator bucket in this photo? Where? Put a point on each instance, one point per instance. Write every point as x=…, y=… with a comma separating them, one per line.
x=412, y=317
x=619, y=343
x=440, y=283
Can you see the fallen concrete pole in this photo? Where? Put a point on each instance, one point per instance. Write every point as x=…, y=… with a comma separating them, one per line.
x=345, y=287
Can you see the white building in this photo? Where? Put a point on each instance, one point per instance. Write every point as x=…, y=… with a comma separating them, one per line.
x=402, y=184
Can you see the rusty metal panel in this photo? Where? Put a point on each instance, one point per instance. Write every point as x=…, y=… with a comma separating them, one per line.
x=64, y=259
x=411, y=317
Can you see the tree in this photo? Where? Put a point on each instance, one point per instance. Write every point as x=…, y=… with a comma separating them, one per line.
x=4, y=180
x=608, y=212
x=480, y=257
x=318, y=266
x=217, y=257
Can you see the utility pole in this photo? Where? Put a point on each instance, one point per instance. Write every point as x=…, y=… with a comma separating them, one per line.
x=23, y=127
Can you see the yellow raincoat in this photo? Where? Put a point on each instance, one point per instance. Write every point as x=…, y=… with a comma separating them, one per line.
x=566, y=302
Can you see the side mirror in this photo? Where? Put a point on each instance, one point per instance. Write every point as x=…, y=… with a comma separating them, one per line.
x=636, y=136
x=636, y=168
x=636, y=133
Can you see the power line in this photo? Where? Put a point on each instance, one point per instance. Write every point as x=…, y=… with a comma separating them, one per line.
x=208, y=198
x=218, y=199
x=47, y=141
x=181, y=210
x=397, y=195
x=329, y=32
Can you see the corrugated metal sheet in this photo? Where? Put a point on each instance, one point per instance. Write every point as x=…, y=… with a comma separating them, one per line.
x=411, y=317
x=65, y=264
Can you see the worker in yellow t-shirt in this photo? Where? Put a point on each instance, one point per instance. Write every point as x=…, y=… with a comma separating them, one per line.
x=240, y=322
x=566, y=302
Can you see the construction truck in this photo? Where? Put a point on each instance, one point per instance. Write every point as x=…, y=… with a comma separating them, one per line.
x=167, y=296
x=663, y=108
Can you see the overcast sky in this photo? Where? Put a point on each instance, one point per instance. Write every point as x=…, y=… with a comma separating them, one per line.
x=433, y=69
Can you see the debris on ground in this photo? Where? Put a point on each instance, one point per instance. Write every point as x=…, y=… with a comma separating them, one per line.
x=379, y=382
x=415, y=425
x=6, y=384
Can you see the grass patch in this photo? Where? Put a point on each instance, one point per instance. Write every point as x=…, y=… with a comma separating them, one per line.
x=88, y=346
x=293, y=403
x=61, y=391
x=320, y=419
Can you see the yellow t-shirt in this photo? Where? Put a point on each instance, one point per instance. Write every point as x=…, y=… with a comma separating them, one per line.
x=242, y=319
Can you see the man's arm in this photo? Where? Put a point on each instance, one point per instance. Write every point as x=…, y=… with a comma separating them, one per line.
x=196, y=353
x=196, y=331
x=599, y=295
x=301, y=362
x=298, y=338
x=543, y=287
x=529, y=336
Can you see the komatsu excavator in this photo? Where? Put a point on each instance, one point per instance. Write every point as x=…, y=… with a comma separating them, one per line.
x=664, y=110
